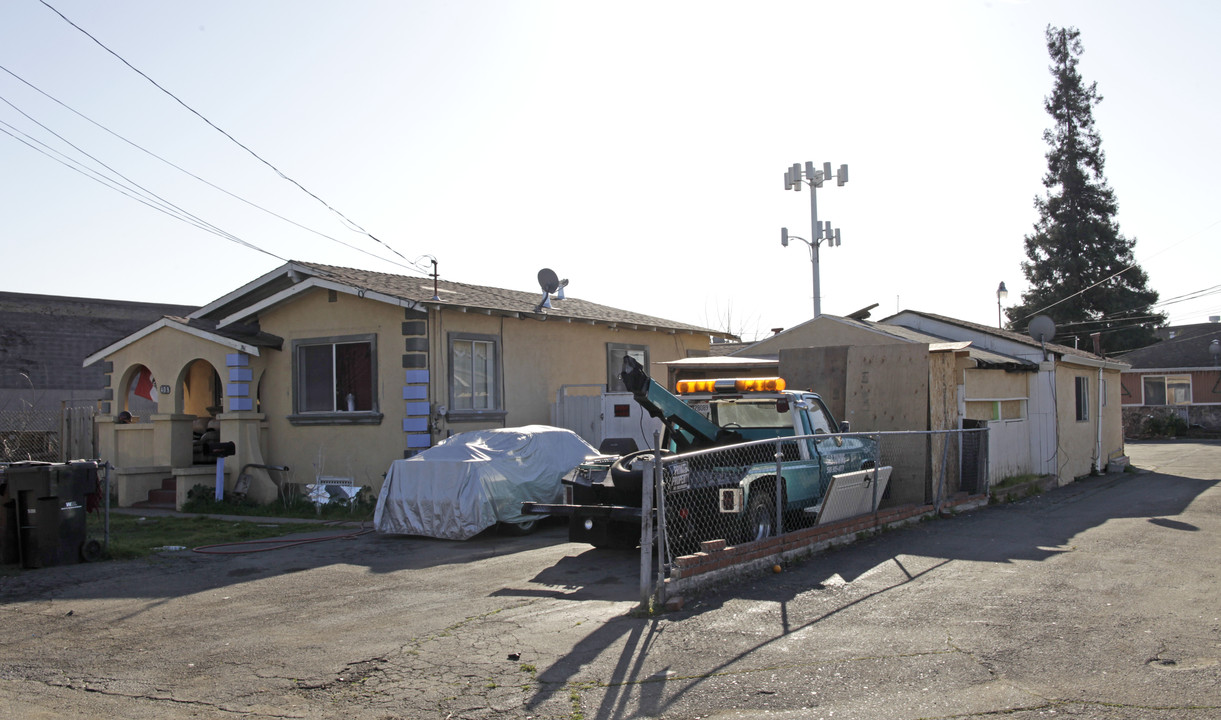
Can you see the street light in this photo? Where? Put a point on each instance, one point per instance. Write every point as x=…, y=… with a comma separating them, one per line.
x=1001, y=294
x=819, y=232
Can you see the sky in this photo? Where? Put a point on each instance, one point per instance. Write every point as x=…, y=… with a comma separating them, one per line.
x=636, y=148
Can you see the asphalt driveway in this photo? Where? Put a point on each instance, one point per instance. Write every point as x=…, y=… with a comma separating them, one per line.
x=1096, y=600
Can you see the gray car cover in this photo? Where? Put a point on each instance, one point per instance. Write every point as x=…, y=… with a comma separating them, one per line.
x=473, y=480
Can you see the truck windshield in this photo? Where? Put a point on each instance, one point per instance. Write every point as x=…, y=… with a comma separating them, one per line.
x=749, y=414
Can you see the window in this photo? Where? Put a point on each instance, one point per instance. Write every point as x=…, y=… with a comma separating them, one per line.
x=334, y=380
x=474, y=373
x=1083, y=398
x=1167, y=389
x=614, y=362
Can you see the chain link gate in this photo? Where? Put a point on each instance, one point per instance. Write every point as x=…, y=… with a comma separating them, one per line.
x=750, y=491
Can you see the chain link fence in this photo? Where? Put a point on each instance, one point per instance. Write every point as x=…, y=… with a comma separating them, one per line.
x=46, y=435
x=733, y=494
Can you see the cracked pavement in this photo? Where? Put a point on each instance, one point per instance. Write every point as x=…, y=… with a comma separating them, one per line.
x=1096, y=600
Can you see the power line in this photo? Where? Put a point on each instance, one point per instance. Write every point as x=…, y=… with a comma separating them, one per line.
x=410, y=266
x=351, y=224
x=162, y=206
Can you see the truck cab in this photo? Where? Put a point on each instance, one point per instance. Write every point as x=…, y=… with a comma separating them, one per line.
x=722, y=481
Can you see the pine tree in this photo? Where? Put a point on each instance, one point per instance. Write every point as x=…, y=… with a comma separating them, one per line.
x=1081, y=269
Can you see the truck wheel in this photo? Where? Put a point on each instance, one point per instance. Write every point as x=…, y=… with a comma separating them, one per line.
x=761, y=517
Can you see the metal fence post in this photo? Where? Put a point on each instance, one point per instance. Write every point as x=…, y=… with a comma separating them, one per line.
x=648, y=478
x=779, y=490
x=660, y=525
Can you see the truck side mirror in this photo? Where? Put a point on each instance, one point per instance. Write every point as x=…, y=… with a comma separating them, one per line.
x=782, y=405
x=844, y=427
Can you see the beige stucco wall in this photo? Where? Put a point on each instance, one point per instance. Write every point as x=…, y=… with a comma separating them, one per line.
x=537, y=357
x=1078, y=440
x=541, y=356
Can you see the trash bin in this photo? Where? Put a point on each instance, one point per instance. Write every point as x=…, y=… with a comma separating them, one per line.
x=44, y=512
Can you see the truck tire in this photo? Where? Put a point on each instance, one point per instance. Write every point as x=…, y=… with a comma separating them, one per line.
x=760, y=517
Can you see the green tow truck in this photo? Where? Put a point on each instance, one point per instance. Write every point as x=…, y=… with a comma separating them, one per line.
x=729, y=491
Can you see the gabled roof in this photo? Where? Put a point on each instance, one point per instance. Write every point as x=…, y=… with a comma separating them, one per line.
x=1001, y=333
x=242, y=338
x=419, y=292
x=1187, y=349
x=900, y=333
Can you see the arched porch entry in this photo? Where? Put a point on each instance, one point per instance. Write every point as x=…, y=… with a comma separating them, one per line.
x=139, y=395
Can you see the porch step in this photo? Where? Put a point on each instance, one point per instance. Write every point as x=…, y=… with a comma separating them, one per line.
x=164, y=498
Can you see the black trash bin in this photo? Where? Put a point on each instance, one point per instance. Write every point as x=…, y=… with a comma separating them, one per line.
x=44, y=512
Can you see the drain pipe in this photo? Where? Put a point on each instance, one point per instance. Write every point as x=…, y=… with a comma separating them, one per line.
x=1098, y=445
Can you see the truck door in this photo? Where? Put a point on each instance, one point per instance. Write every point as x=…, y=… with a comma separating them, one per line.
x=817, y=421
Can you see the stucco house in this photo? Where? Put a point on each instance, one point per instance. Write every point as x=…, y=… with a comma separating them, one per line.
x=919, y=371
x=1178, y=376
x=1072, y=400
x=336, y=372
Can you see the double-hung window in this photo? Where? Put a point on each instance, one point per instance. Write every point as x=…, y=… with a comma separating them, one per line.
x=335, y=380
x=1167, y=389
x=1083, y=398
x=474, y=382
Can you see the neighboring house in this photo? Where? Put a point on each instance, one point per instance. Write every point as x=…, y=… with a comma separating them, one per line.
x=43, y=339
x=1072, y=401
x=337, y=372
x=1177, y=376
x=918, y=371
x=884, y=378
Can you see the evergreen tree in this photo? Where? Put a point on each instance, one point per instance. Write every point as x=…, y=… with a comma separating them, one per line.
x=1077, y=260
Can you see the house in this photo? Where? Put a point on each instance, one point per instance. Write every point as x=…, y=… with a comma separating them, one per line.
x=1072, y=401
x=335, y=372
x=1177, y=377
x=923, y=372
x=43, y=339
x=883, y=378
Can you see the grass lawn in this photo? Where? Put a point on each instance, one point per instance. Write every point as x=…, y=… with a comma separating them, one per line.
x=133, y=536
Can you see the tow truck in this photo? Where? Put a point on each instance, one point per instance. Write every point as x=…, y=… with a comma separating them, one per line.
x=729, y=493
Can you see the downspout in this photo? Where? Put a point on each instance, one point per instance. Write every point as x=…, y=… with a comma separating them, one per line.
x=1098, y=445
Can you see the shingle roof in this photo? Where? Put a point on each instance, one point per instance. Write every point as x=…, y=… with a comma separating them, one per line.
x=420, y=290
x=998, y=332
x=1188, y=348
x=981, y=355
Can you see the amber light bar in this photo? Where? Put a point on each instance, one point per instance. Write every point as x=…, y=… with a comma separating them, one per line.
x=766, y=384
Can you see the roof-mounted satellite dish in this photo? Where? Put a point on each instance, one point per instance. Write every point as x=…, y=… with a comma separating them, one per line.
x=1043, y=329
x=548, y=280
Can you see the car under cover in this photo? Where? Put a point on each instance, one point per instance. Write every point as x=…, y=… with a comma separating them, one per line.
x=471, y=481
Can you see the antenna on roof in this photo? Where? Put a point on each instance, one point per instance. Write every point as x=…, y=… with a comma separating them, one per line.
x=550, y=283
x=1043, y=329
x=435, y=295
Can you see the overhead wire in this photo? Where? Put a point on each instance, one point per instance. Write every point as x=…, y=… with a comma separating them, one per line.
x=352, y=225
x=163, y=207
x=414, y=266
x=127, y=187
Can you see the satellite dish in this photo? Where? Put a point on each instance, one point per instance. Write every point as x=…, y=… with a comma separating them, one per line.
x=548, y=280
x=1042, y=329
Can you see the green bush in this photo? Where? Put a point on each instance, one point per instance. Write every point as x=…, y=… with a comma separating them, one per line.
x=1165, y=425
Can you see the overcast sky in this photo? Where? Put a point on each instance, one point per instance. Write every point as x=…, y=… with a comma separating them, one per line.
x=637, y=148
